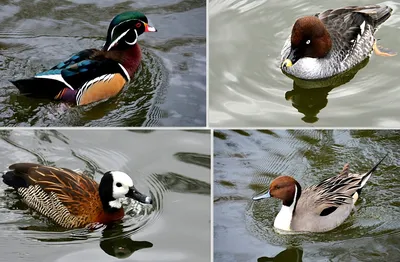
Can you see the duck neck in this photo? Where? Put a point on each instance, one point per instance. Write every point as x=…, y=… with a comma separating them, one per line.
x=110, y=204
x=285, y=215
x=129, y=58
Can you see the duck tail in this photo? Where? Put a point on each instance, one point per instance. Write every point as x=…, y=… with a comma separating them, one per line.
x=38, y=87
x=382, y=14
x=11, y=179
x=369, y=173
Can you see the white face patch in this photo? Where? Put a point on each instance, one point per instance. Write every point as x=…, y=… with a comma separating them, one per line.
x=121, y=184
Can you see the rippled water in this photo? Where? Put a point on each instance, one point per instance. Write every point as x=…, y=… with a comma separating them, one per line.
x=171, y=166
x=168, y=90
x=245, y=162
x=247, y=88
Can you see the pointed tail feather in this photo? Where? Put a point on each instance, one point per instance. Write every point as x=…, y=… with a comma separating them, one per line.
x=368, y=174
x=383, y=14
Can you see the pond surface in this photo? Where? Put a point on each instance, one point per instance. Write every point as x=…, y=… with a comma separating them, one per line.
x=245, y=162
x=169, y=88
x=171, y=166
x=247, y=88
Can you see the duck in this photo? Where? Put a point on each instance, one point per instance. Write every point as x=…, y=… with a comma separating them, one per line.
x=332, y=42
x=318, y=208
x=92, y=75
x=70, y=199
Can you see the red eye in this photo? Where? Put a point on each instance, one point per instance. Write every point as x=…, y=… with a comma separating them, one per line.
x=138, y=25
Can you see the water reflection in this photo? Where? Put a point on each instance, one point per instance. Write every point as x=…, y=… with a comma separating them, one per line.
x=291, y=254
x=115, y=244
x=310, y=97
x=182, y=184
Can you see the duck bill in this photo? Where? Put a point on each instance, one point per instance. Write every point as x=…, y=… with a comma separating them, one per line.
x=266, y=195
x=291, y=59
x=149, y=28
x=134, y=194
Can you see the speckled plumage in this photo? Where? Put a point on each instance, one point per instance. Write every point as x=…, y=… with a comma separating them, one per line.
x=320, y=207
x=351, y=30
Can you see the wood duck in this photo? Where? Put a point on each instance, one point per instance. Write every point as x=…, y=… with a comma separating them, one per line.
x=92, y=75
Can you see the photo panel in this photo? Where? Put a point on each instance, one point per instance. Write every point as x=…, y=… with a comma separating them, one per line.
x=103, y=63
x=72, y=195
x=289, y=64
x=288, y=195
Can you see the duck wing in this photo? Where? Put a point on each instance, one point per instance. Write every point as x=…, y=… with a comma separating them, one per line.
x=325, y=197
x=58, y=193
x=353, y=27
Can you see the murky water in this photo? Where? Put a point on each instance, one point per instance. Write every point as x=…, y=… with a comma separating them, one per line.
x=245, y=162
x=171, y=166
x=168, y=90
x=247, y=88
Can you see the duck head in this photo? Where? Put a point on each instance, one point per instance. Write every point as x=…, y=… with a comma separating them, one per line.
x=125, y=29
x=285, y=188
x=309, y=38
x=115, y=186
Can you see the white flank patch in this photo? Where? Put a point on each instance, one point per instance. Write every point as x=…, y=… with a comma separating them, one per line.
x=55, y=77
x=285, y=215
x=125, y=72
x=355, y=197
x=362, y=27
x=116, y=40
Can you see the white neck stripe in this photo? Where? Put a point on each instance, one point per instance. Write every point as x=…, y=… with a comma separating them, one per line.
x=285, y=215
x=116, y=40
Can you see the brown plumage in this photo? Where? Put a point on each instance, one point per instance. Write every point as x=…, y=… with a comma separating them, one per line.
x=71, y=199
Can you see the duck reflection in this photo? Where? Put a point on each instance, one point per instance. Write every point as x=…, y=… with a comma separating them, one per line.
x=310, y=97
x=114, y=243
x=290, y=254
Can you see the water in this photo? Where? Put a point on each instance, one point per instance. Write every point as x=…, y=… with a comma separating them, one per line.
x=245, y=162
x=247, y=88
x=168, y=90
x=171, y=166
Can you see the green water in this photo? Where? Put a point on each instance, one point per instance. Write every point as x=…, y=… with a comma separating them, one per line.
x=245, y=162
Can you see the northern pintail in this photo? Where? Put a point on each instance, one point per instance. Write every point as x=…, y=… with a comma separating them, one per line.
x=333, y=41
x=320, y=207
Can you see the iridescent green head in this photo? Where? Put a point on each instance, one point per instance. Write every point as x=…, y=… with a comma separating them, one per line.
x=125, y=28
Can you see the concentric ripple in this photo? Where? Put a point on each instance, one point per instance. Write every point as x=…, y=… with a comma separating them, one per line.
x=130, y=107
x=247, y=161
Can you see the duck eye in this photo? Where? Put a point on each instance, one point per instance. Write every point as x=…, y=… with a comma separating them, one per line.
x=278, y=187
x=138, y=25
x=119, y=184
x=308, y=42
